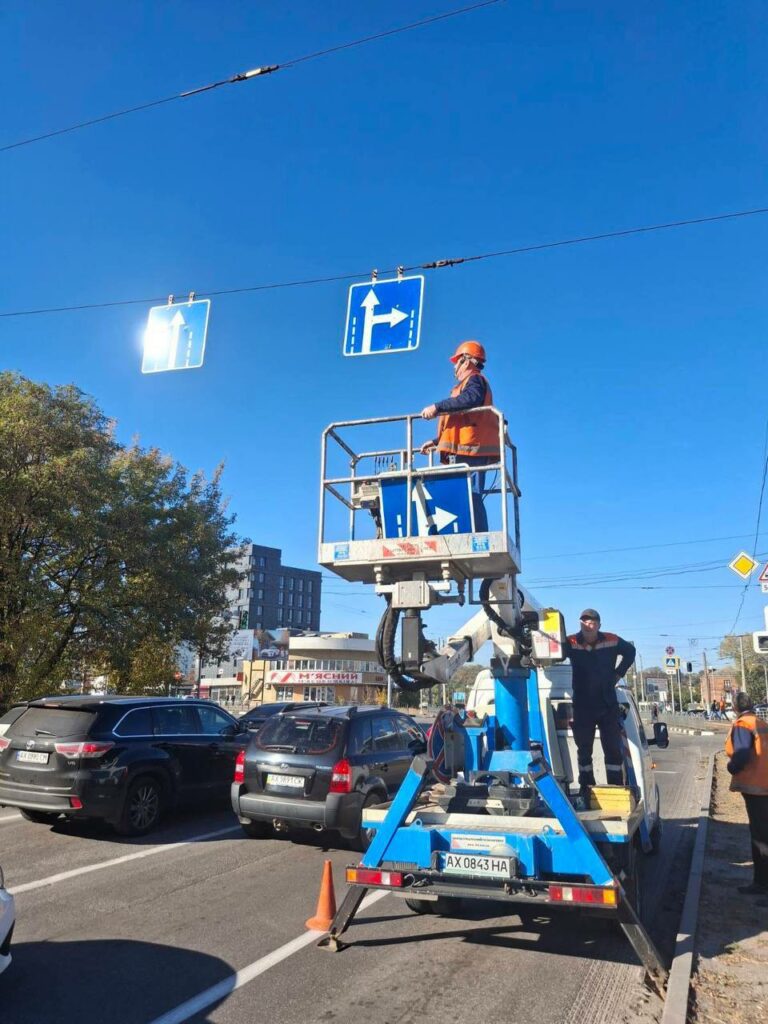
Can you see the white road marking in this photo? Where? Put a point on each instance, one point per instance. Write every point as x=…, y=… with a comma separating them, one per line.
x=235, y=981
x=88, y=868
x=660, y=771
x=11, y=817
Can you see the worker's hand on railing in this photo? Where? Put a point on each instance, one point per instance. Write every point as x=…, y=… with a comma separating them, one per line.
x=427, y=447
x=429, y=412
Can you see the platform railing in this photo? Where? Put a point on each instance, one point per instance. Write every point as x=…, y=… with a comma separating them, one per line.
x=401, y=461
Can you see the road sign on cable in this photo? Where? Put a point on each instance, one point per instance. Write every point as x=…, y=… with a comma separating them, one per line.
x=743, y=565
x=384, y=316
x=175, y=336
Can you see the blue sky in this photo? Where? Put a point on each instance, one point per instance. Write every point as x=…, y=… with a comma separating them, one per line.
x=629, y=369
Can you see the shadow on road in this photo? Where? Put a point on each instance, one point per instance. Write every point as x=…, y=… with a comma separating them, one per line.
x=107, y=979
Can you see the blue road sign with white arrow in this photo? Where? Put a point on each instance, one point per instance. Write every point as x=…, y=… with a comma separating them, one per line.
x=175, y=336
x=439, y=504
x=384, y=316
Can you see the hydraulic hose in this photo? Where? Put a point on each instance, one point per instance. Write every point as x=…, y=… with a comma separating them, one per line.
x=411, y=681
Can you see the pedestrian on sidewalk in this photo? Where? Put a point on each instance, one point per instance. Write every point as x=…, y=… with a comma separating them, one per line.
x=599, y=660
x=747, y=749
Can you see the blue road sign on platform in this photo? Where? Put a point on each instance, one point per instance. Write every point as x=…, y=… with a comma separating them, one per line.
x=439, y=504
x=175, y=336
x=384, y=316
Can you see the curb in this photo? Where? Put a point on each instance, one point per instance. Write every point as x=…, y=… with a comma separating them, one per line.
x=676, y=1003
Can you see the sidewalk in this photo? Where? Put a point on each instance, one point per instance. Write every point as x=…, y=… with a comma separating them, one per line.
x=730, y=981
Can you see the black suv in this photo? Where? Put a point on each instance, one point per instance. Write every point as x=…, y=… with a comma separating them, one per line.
x=122, y=759
x=320, y=768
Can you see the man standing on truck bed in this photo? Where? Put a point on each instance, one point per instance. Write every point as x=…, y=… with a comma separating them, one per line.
x=464, y=432
x=599, y=660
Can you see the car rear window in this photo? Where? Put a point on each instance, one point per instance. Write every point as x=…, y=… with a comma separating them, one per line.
x=57, y=722
x=300, y=735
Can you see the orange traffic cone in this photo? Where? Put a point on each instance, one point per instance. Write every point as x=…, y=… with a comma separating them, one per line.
x=326, y=902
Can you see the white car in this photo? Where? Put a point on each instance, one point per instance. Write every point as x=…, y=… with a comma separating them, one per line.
x=7, y=921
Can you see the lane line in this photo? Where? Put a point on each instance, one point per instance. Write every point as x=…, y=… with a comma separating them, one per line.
x=659, y=771
x=88, y=868
x=235, y=981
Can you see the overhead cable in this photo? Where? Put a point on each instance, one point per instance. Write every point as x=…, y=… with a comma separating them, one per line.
x=757, y=526
x=246, y=76
x=433, y=265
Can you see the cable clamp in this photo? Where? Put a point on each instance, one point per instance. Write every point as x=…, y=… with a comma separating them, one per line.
x=400, y=272
x=191, y=297
x=170, y=300
x=374, y=275
x=439, y=264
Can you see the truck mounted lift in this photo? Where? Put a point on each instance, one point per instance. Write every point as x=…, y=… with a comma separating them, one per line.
x=503, y=824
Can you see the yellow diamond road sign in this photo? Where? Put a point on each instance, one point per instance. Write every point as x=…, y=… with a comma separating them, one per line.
x=743, y=565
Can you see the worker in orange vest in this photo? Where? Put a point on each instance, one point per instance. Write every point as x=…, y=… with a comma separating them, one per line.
x=747, y=749
x=464, y=436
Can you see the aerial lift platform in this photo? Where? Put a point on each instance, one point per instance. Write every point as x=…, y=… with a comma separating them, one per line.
x=489, y=811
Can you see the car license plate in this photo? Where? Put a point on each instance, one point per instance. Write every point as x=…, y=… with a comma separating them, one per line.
x=32, y=756
x=294, y=781
x=480, y=866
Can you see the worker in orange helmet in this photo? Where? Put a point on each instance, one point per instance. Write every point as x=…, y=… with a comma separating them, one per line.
x=465, y=434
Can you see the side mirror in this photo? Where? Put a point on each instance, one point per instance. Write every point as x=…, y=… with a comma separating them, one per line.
x=417, y=747
x=230, y=730
x=660, y=735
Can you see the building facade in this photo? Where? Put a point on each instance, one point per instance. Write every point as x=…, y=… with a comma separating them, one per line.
x=270, y=596
x=276, y=596
x=339, y=668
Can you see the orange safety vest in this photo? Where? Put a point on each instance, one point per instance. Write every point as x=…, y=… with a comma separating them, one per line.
x=754, y=778
x=470, y=432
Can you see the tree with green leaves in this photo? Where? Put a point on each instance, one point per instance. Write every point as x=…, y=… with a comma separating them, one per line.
x=105, y=549
x=754, y=665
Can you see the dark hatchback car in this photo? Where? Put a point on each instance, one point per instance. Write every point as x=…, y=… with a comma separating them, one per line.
x=319, y=768
x=256, y=717
x=125, y=760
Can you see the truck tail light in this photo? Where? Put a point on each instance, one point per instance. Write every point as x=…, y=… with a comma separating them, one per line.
x=604, y=897
x=374, y=876
x=341, y=777
x=239, y=775
x=88, y=748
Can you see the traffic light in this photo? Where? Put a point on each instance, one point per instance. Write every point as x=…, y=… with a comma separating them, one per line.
x=689, y=667
x=760, y=642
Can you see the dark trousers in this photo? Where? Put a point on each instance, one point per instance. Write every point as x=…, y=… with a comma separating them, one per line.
x=585, y=721
x=757, y=812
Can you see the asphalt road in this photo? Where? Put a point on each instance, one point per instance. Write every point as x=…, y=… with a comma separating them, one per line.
x=199, y=923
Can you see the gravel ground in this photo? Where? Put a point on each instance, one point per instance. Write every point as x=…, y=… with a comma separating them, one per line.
x=730, y=983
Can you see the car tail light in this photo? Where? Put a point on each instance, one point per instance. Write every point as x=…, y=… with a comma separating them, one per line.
x=341, y=777
x=76, y=803
x=4, y=743
x=239, y=775
x=88, y=748
x=607, y=897
x=374, y=876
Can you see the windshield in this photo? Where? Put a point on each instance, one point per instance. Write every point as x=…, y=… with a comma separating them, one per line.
x=300, y=735
x=56, y=722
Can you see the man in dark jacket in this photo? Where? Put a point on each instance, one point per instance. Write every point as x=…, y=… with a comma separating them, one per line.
x=599, y=660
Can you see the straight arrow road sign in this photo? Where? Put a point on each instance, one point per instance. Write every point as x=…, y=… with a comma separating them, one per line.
x=175, y=336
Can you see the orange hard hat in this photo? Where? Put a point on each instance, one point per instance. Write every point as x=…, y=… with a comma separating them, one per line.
x=469, y=348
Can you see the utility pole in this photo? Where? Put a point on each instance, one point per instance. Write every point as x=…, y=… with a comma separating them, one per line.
x=642, y=680
x=679, y=691
x=708, y=701
x=765, y=671
x=743, y=673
